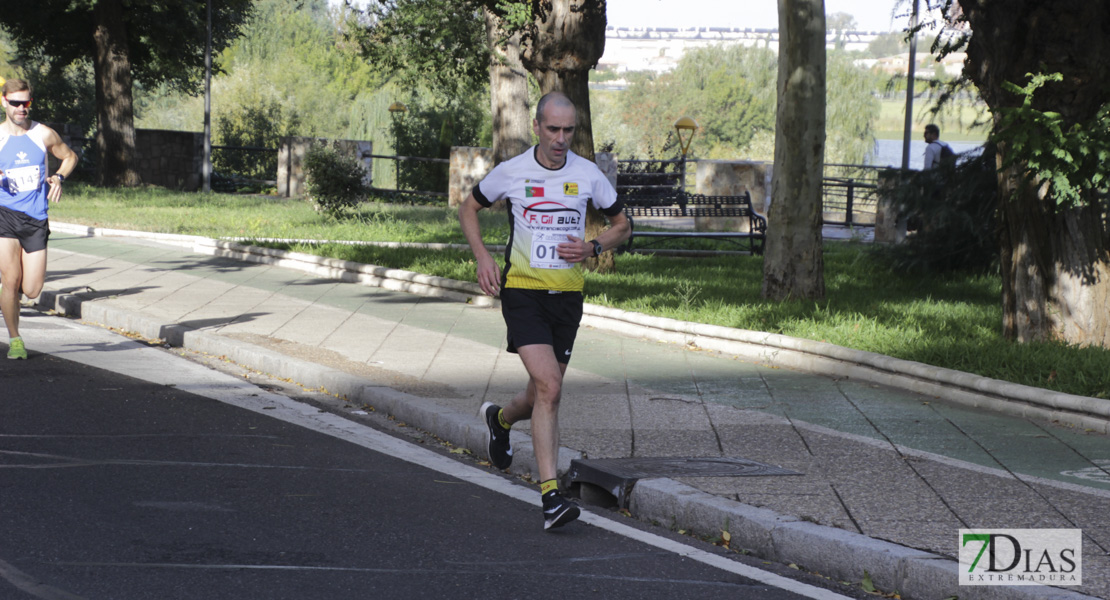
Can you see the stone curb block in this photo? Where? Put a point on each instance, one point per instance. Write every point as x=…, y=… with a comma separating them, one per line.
x=397, y=280
x=840, y=554
x=172, y=238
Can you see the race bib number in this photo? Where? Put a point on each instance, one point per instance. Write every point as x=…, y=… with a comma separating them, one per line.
x=23, y=179
x=544, y=253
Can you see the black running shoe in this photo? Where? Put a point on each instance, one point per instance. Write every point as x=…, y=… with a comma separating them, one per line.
x=558, y=511
x=500, y=453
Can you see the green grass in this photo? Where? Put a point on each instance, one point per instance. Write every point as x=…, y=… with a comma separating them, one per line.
x=228, y=215
x=951, y=322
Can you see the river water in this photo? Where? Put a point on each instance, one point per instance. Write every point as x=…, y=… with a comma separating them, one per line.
x=888, y=153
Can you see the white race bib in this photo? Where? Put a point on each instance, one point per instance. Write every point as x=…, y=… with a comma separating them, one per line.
x=544, y=252
x=23, y=179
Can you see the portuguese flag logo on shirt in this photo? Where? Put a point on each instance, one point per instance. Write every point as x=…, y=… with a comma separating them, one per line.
x=531, y=191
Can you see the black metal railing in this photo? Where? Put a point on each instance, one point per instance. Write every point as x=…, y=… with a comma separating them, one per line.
x=236, y=166
x=410, y=174
x=850, y=194
x=646, y=179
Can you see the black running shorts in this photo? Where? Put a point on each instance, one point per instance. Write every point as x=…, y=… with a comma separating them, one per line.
x=542, y=317
x=31, y=233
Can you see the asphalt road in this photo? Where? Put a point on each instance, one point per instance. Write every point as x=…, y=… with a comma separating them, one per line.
x=185, y=482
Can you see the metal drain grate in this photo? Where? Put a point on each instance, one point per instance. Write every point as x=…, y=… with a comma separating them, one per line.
x=617, y=476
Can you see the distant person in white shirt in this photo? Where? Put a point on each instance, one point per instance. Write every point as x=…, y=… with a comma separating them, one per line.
x=935, y=150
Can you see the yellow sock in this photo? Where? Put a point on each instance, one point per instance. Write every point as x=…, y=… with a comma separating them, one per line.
x=501, y=419
x=551, y=485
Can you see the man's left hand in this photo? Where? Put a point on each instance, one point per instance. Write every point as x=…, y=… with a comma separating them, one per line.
x=575, y=250
x=55, y=193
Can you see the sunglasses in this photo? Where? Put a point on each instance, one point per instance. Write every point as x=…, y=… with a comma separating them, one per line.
x=19, y=103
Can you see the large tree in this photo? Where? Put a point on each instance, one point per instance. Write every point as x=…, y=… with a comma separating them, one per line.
x=508, y=87
x=435, y=44
x=793, y=266
x=1052, y=140
x=557, y=41
x=147, y=41
x=564, y=41
x=447, y=42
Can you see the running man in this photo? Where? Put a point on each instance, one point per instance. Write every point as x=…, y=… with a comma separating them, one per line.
x=547, y=189
x=24, y=195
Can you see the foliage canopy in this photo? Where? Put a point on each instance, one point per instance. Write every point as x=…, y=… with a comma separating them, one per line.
x=731, y=92
x=166, y=38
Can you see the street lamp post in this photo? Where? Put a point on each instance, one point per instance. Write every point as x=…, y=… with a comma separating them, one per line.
x=206, y=166
x=397, y=112
x=689, y=126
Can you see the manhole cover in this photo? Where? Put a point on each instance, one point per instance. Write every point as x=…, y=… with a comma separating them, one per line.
x=617, y=476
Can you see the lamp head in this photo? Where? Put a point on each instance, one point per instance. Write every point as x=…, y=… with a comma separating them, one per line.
x=688, y=125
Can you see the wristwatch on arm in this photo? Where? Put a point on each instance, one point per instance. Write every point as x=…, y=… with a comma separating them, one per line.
x=598, y=248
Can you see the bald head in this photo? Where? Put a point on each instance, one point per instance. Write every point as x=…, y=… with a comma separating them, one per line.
x=554, y=127
x=554, y=99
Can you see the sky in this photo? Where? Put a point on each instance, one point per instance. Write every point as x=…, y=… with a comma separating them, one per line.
x=870, y=15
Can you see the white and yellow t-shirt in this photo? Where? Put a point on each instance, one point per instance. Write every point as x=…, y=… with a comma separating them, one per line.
x=545, y=205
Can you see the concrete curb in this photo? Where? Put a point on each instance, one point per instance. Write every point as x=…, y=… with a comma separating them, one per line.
x=842, y=555
x=397, y=280
x=833, y=552
x=765, y=348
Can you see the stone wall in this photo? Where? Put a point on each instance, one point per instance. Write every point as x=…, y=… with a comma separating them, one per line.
x=733, y=178
x=607, y=162
x=171, y=159
x=290, y=174
x=166, y=158
x=468, y=166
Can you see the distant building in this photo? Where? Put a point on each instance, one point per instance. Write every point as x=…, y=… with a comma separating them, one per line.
x=659, y=49
x=952, y=64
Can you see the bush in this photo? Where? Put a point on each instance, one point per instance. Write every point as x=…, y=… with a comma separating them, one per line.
x=258, y=124
x=430, y=132
x=333, y=180
x=952, y=209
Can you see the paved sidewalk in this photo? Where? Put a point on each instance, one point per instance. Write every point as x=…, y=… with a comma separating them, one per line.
x=885, y=477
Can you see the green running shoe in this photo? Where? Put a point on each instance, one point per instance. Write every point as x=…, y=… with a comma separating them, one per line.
x=16, y=349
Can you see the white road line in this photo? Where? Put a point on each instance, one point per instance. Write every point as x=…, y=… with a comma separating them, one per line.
x=24, y=582
x=136, y=360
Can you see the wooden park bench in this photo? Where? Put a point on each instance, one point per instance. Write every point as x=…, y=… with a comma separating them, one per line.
x=701, y=206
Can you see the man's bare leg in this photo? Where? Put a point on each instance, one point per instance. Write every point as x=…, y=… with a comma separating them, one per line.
x=540, y=402
x=11, y=276
x=33, y=273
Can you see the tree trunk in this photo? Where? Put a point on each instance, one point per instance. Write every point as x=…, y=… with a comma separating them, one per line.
x=1055, y=272
x=793, y=266
x=567, y=40
x=115, y=134
x=1055, y=264
x=508, y=91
